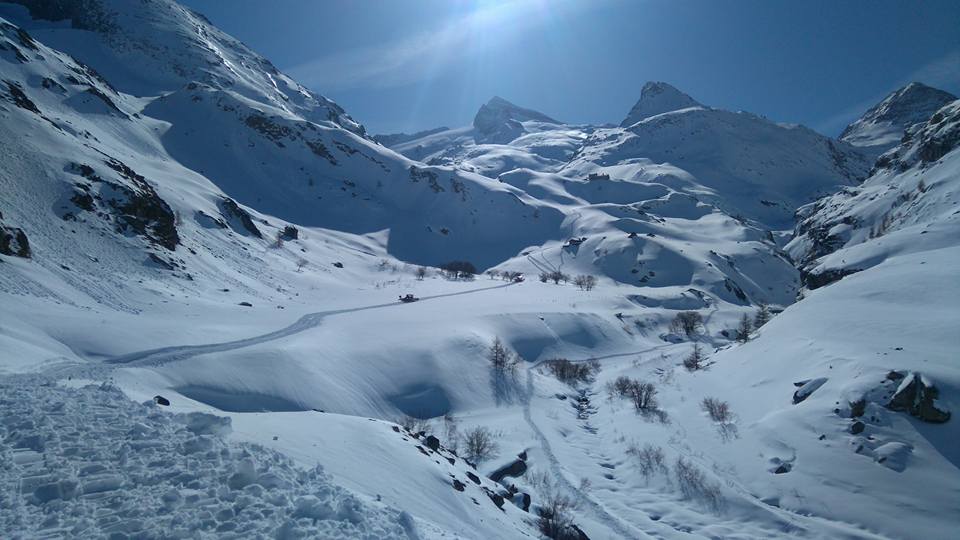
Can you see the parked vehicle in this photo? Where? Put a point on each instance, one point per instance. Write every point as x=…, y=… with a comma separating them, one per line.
x=406, y=299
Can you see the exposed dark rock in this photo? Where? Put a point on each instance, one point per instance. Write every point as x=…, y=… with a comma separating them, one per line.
x=458, y=485
x=290, y=233
x=858, y=407
x=857, y=427
x=20, y=99
x=338, y=264
x=473, y=478
x=918, y=396
x=160, y=400
x=82, y=14
x=432, y=443
x=816, y=280
x=245, y=304
x=495, y=497
x=13, y=241
x=231, y=209
x=513, y=470
x=525, y=502
x=807, y=388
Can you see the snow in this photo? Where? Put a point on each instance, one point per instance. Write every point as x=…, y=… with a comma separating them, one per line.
x=658, y=98
x=884, y=125
x=287, y=363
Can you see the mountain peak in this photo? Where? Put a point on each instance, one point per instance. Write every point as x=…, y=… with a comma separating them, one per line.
x=658, y=98
x=498, y=120
x=883, y=125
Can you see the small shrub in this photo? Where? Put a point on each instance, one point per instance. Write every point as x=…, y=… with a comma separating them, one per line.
x=572, y=372
x=478, y=444
x=719, y=411
x=460, y=268
x=556, y=517
x=689, y=323
x=413, y=424
x=585, y=282
x=301, y=263
x=544, y=277
x=694, y=485
x=644, y=396
x=650, y=459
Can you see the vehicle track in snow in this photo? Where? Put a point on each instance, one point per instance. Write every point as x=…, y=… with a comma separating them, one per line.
x=163, y=355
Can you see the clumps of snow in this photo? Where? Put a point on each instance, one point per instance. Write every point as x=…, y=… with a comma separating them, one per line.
x=88, y=462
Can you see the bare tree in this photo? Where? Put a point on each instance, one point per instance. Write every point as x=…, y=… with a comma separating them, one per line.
x=421, y=272
x=743, y=331
x=720, y=413
x=687, y=322
x=478, y=444
x=693, y=484
x=300, y=264
x=585, y=282
x=644, y=395
x=763, y=316
x=544, y=277
x=556, y=516
x=694, y=360
x=501, y=358
x=572, y=372
x=451, y=432
x=493, y=274
x=650, y=459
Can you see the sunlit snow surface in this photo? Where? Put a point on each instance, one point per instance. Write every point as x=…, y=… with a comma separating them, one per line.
x=279, y=357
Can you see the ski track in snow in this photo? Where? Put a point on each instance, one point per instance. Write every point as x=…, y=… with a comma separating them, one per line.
x=163, y=355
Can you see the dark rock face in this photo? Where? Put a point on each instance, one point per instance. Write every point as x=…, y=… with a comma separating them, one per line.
x=432, y=443
x=918, y=397
x=20, y=99
x=82, y=14
x=160, y=400
x=513, y=470
x=13, y=241
x=473, y=478
x=290, y=233
x=134, y=205
x=231, y=209
x=822, y=279
x=458, y=485
x=857, y=427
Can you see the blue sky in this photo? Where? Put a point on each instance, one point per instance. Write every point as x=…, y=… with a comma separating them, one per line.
x=399, y=65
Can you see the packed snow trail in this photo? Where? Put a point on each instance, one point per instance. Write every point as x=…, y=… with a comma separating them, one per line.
x=613, y=522
x=164, y=355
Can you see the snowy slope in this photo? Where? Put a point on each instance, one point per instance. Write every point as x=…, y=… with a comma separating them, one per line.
x=200, y=229
x=882, y=127
x=907, y=206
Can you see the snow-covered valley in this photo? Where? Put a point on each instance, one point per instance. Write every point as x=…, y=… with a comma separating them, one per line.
x=697, y=324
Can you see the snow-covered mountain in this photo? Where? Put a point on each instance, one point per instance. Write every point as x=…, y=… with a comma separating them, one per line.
x=200, y=334
x=883, y=126
x=658, y=98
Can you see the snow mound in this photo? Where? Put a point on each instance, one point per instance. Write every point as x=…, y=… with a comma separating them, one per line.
x=88, y=462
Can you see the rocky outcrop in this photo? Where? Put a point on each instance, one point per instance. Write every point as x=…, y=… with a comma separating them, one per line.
x=918, y=396
x=13, y=241
x=131, y=203
x=234, y=213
